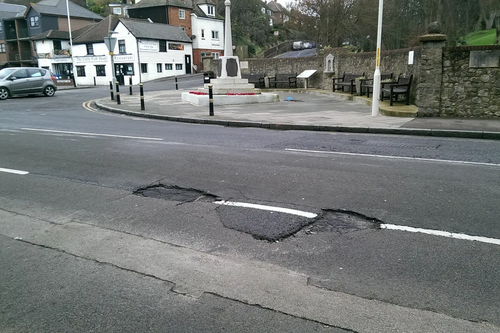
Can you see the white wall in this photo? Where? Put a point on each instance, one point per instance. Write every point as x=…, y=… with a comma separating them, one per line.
x=199, y=23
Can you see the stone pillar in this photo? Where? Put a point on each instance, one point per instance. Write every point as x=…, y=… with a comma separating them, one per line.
x=431, y=72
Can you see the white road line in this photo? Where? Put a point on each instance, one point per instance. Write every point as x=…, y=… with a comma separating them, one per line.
x=17, y=172
x=441, y=233
x=389, y=157
x=92, y=134
x=268, y=208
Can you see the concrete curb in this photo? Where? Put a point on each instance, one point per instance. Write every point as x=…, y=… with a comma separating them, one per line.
x=319, y=128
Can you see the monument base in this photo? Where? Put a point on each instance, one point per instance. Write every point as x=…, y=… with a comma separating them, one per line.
x=202, y=100
x=222, y=86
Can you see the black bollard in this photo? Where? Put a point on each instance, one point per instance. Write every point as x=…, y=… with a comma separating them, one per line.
x=118, y=93
x=141, y=89
x=176, y=85
x=130, y=84
x=210, y=100
x=111, y=90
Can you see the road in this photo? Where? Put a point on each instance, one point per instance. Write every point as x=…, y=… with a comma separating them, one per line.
x=91, y=202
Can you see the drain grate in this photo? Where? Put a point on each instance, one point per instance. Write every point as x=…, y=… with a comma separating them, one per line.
x=342, y=222
x=174, y=193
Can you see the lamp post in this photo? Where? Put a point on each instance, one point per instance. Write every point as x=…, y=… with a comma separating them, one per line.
x=376, y=75
x=71, y=45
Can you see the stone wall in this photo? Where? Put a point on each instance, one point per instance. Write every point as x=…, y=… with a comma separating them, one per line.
x=468, y=89
x=446, y=81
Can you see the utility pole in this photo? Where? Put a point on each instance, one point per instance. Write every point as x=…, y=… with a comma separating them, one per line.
x=376, y=75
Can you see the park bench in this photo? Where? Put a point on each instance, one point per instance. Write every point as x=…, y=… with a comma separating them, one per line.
x=346, y=80
x=401, y=87
x=284, y=79
x=256, y=79
x=367, y=84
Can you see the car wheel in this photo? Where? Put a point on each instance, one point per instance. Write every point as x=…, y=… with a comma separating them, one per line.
x=49, y=91
x=4, y=93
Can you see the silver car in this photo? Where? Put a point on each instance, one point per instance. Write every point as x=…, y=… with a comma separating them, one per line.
x=26, y=81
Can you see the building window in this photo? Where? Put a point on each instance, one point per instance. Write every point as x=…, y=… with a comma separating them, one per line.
x=178, y=67
x=100, y=70
x=144, y=68
x=57, y=45
x=158, y=68
x=121, y=46
x=182, y=14
x=117, y=10
x=163, y=45
x=168, y=67
x=90, y=49
x=34, y=21
x=80, y=70
x=1, y=27
x=211, y=10
x=202, y=33
x=215, y=34
x=2, y=47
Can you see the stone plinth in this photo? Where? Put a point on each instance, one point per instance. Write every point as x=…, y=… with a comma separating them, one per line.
x=202, y=100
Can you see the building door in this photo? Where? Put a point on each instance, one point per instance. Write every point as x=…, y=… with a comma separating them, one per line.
x=187, y=62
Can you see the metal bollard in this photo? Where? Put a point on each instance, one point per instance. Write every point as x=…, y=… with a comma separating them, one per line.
x=210, y=100
x=176, y=85
x=130, y=84
x=111, y=90
x=118, y=93
x=141, y=89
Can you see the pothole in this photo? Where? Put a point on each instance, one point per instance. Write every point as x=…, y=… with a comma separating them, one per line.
x=174, y=193
x=342, y=222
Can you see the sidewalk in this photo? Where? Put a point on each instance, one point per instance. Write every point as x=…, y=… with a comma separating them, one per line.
x=300, y=109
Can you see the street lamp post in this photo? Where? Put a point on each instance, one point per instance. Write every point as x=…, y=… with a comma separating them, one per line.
x=376, y=75
x=71, y=45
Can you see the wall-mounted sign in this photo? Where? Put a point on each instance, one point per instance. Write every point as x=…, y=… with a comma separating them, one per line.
x=178, y=47
x=486, y=58
x=102, y=58
x=127, y=57
x=149, y=45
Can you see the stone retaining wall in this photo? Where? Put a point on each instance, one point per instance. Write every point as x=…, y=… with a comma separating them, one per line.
x=447, y=82
x=469, y=90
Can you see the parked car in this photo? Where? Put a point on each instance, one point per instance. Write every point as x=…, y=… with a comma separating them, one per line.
x=26, y=81
x=298, y=45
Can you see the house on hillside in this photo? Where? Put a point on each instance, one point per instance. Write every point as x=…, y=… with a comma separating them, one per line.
x=277, y=13
x=198, y=18
x=208, y=32
x=7, y=11
x=38, y=18
x=144, y=51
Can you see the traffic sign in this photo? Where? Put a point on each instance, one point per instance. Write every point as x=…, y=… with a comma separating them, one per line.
x=110, y=43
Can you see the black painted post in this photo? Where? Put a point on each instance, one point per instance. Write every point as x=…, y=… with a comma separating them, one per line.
x=95, y=84
x=130, y=84
x=141, y=89
x=118, y=93
x=111, y=90
x=210, y=100
x=176, y=85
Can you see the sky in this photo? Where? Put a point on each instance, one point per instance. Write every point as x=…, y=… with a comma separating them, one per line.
x=283, y=2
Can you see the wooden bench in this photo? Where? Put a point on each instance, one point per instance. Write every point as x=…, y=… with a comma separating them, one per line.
x=367, y=84
x=256, y=79
x=285, y=79
x=346, y=80
x=401, y=87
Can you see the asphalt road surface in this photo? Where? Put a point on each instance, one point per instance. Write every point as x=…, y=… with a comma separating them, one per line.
x=160, y=226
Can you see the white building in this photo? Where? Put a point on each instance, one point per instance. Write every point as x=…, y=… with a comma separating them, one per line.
x=208, y=32
x=144, y=51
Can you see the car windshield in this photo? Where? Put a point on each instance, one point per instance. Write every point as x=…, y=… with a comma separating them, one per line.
x=5, y=72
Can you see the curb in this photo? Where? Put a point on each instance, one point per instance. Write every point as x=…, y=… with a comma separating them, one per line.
x=317, y=128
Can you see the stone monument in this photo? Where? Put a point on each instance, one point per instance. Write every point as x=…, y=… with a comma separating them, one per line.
x=229, y=87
